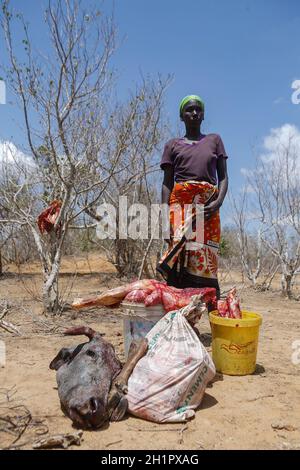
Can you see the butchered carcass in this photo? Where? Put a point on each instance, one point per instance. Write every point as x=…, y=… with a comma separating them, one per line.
x=150, y=292
x=113, y=296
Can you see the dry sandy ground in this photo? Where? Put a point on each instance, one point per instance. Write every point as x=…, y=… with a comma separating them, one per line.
x=236, y=412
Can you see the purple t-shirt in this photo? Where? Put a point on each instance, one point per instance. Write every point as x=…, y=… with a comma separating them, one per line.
x=196, y=160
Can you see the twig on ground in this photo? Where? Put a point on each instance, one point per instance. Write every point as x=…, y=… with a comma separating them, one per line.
x=184, y=428
x=8, y=393
x=261, y=397
x=16, y=419
x=10, y=327
x=112, y=443
x=5, y=310
x=140, y=429
x=59, y=440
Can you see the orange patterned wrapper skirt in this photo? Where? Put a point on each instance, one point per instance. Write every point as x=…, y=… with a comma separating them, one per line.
x=195, y=242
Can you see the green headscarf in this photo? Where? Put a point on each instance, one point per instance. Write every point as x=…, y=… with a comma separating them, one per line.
x=188, y=98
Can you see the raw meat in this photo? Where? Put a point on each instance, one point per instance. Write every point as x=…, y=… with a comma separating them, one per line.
x=150, y=292
x=138, y=295
x=230, y=307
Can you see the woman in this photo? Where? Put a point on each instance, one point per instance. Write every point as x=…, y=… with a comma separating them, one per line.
x=194, y=173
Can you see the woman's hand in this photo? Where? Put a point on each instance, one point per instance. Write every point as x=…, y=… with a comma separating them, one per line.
x=211, y=208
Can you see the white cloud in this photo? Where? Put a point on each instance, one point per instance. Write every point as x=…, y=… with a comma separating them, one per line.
x=246, y=172
x=10, y=154
x=249, y=189
x=281, y=138
x=280, y=141
x=275, y=147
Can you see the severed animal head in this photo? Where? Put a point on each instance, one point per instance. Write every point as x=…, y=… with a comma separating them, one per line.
x=84, y=375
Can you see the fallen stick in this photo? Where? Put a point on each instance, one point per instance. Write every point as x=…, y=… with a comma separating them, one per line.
x=260, y=398
x=60, y=440
x=4, y=312
x=16, y=446
x=113, y=443
x=140, y=429
x=10, y=327
x=278, y=426
x=184, y=428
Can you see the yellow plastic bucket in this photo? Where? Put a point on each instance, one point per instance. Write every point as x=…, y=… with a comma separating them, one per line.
x=234, y=342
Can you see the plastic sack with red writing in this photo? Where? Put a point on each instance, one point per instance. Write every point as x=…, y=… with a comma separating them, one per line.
x=169, y=382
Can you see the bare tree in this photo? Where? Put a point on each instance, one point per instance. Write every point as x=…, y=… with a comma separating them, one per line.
x=5, y=235
x=275, y=182
x=135, y=135
x=61, y=97
x=258, y=262
x=76, y=152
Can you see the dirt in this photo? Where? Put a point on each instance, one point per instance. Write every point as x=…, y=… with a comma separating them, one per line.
x=259, y=411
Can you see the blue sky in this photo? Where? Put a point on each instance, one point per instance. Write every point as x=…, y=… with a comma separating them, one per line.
x=241, y=56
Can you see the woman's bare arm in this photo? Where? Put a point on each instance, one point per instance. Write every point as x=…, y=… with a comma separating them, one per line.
x=168, y=184
x=223, y=186
x=167, y=187
x=222, y=179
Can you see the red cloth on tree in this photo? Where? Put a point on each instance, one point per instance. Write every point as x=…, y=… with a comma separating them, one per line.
x=48, y=217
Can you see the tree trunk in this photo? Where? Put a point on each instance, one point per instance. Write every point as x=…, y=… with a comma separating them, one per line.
x=50, y=256
x=286, y=285
x=51, y=295
x=51, y=299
